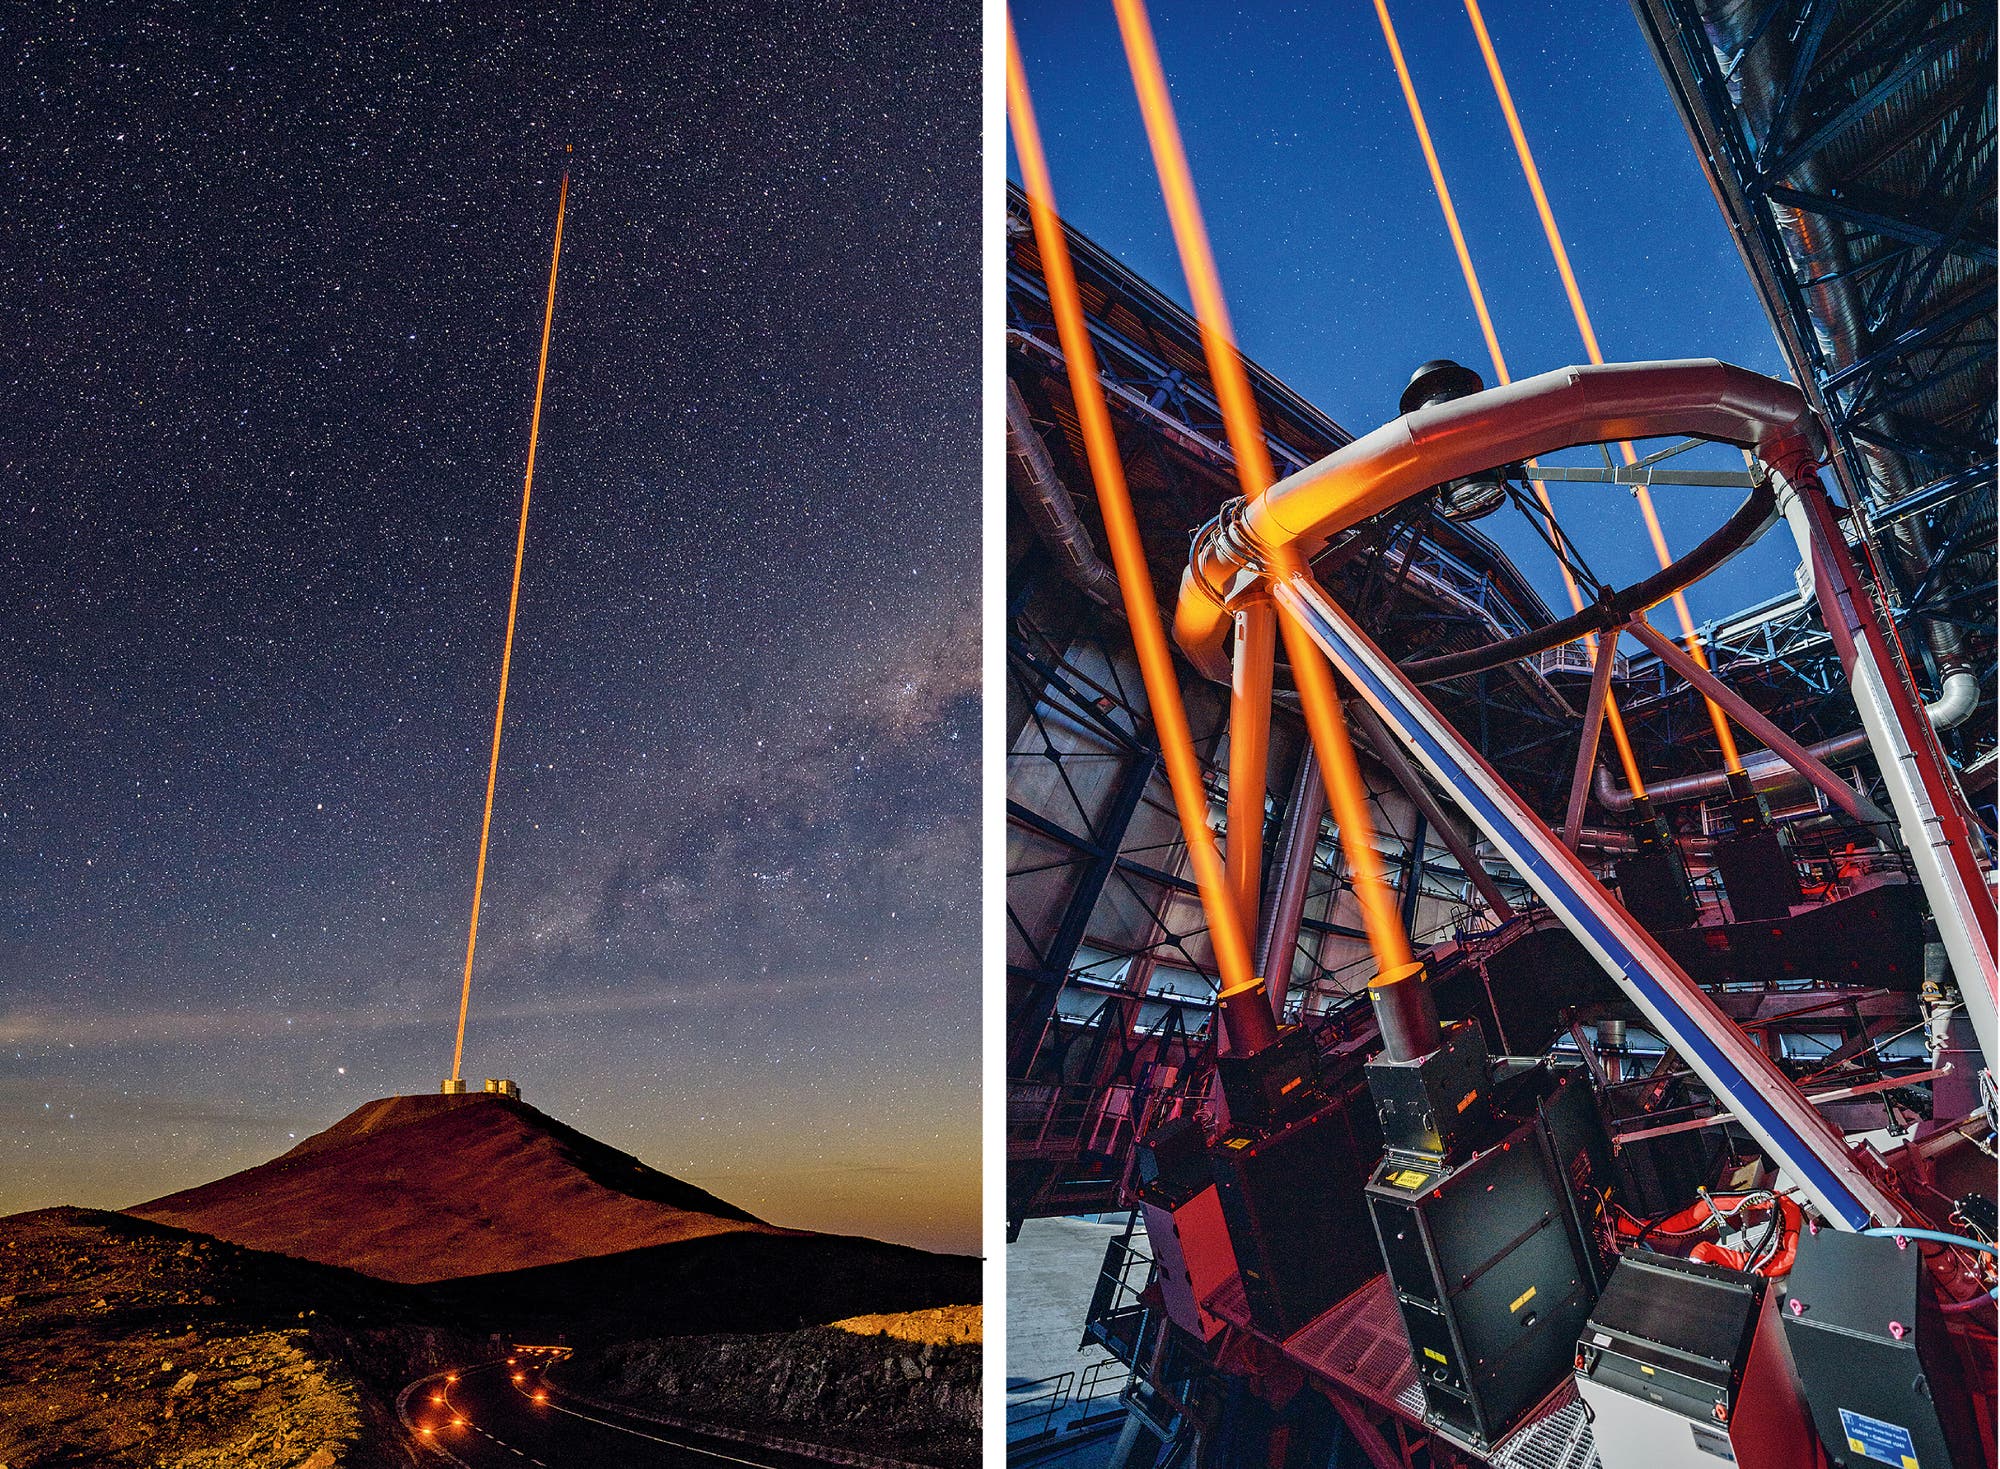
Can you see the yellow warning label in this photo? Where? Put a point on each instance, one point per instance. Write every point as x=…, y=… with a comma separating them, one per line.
x=1437, y=1356
x=1647, y=1370
x=1237, y=1142
x=1408, y=1178
x=1855, y=1444
x=1523, y=1299
x=1908, y=1462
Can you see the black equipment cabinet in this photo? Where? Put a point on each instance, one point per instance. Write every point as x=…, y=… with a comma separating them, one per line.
x=1557, y=1096
x=1869, y=1343
x=1489, y=1275
x=1758, y=874
x=1291, y=1199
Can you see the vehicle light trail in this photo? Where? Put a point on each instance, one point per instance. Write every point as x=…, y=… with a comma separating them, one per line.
x=1246, y=1014
x=1325, y=724
x=1723, y=734
x=1626, y=756
x=507, y=646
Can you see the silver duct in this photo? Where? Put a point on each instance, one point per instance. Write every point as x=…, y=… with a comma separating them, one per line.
x=1051, y=510
x=1767, y=772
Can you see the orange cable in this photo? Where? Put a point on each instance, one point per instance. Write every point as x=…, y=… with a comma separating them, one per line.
x=507, y=647
x=1135, y=582
x=1346, y=792
x=1574, y=292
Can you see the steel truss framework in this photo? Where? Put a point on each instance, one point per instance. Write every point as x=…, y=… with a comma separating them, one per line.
x=1852, y=147
x=1091, y=816
x=1111, y=979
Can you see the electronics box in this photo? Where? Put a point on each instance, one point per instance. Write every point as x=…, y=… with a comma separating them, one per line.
x=1682, y=1364
x=1436, y=1104
x=1292, y=1200
x=1869, y=1342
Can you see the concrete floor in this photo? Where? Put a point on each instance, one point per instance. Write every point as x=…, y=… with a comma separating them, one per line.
x=1052, y=1271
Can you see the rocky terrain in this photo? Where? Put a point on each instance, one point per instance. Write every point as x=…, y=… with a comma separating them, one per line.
x=269, y=1319
x=944, y=1326
x=739, y=1282
x=128, y=1343
x=908, y=1389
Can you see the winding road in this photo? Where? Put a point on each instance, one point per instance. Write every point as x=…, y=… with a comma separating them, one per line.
x=502, y=1413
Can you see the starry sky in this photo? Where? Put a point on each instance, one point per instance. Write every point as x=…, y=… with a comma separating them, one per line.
x=1333, y=252
x=272, y=282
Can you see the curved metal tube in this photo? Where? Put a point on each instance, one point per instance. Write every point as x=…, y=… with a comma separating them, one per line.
x=1953, y=706
x=1538, y=415
x=1751, y=519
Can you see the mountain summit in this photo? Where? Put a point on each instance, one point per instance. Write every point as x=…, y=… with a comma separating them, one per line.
x=419, y=1189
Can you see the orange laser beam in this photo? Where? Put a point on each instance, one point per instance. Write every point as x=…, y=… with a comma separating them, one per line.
x=507, y=646
x=1241, y=995
x=1254, y=471
x=1588, y=332
x=1346, y=793
x=1626, y=755
x=1324, y=721
x=1444, y=198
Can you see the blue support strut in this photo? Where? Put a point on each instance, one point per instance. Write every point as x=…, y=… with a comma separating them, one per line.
x=1743, y=1079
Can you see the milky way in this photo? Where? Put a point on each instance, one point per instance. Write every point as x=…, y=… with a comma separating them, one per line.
x=273, y=293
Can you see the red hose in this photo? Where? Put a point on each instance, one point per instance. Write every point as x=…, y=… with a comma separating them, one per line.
x=1699, y=1215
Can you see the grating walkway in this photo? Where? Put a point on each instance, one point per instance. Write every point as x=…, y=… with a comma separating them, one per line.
x=1359, y=1347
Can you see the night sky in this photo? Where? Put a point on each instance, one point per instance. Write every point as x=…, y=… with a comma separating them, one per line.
x=272, y=288
x=1333, y=251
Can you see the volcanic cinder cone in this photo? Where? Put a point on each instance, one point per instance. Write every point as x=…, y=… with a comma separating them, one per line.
x=427, y=1188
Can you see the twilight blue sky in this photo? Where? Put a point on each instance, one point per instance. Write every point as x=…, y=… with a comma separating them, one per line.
x=1333, y=251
